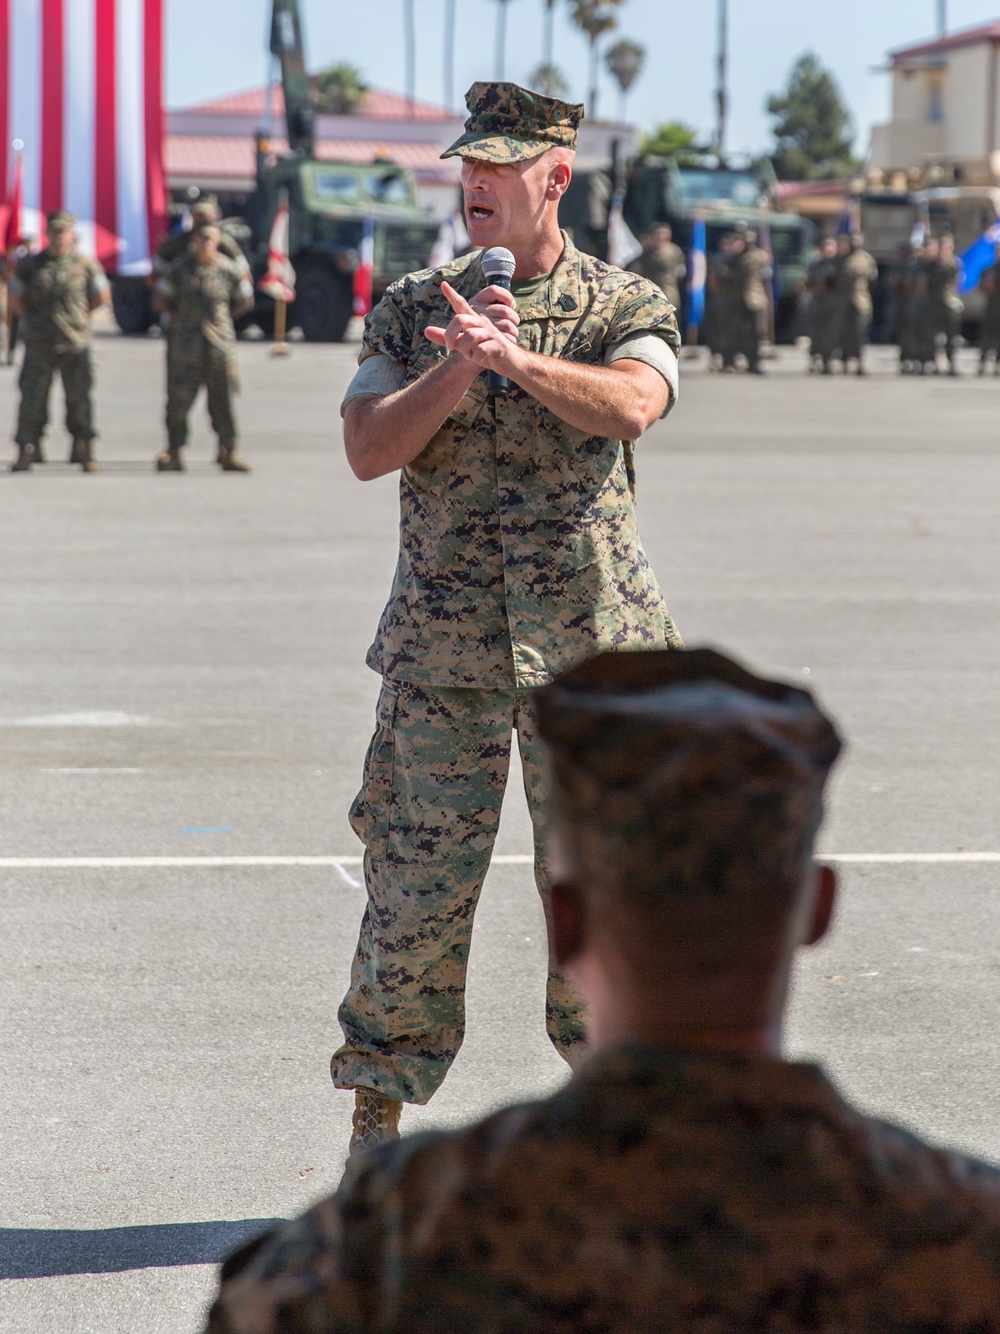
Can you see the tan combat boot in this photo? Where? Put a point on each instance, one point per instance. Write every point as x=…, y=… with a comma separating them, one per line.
x=25, y=458
x=83, y=453
x=171, y=460
x=376, y=1118
x=229, y=460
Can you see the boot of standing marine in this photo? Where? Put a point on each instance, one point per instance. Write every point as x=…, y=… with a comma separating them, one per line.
x=170, y=460
x=83, y=454
x=376, y=1119
x=229, y=459
x=25, y=458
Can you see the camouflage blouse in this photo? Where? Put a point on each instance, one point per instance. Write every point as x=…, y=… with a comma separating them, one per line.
x=199, y=298
x=57, y=292
x=519, y=553
x=658, y=1191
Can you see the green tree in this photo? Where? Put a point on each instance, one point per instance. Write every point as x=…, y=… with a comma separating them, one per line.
x=595, y=18
x=813, y=133
x=625, y=61
x=550, y=80
x=340, y=90
x=673, y=139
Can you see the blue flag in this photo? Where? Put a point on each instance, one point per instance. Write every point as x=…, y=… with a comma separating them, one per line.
x=978, y=258
x=697, y=274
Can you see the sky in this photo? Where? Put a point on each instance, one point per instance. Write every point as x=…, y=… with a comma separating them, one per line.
x=219, y=46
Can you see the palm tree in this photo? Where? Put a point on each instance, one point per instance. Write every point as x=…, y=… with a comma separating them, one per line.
x=547, y=43
x=410, y=38
x=595, y=18
x=625, y=61
x=340, y=90
x=449, y=54
x=501, y=46
x=550, y=80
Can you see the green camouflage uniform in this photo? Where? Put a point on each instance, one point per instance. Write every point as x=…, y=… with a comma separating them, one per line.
x=856, y=272
x=172, y=247
x=944, y=305
x=821, y=319
x=663, y=265
x=519, y=555
x=202, y=341
x=752, y=274
x=990, y=284
x=658, y=1191
x=57, y=292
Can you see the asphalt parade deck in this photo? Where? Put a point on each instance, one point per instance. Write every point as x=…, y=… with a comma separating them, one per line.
x=183, y=716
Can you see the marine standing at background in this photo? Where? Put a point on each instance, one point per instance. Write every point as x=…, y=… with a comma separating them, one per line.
x=202, y=292
x=904, y=284
x=54, y=293
x=944, y=305
x=753, y=273
x=662, y=263
x=519, y=554
x=720, y=311
x=990, y=284
x=821, y=318
x=856, y=272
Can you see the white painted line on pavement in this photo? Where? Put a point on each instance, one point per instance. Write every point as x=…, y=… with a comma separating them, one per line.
x=502, y=859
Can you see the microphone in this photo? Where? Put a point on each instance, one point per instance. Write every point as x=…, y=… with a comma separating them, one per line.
x=498, y=269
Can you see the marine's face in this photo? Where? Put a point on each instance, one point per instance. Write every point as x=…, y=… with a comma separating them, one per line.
x=829, y=249
x=206, y=247
x=506, y=203
x=61, y=241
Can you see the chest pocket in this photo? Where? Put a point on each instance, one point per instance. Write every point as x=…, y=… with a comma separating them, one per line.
x=430, y=472
x=584, y=460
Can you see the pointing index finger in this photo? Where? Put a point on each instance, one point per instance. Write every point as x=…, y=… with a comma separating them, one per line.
x=458, y=302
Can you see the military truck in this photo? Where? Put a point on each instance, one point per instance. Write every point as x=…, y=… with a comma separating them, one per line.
x=664, y=190
x=329, y=203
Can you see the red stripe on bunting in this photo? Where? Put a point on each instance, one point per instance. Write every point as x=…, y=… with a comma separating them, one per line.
x=105, y=145
x=5, y=173
x=156, y=210
x=53, y=83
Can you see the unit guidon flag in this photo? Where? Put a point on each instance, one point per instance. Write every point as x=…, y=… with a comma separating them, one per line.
x=81, y=98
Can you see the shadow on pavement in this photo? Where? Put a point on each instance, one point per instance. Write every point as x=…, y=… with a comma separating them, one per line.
x=47, y=1252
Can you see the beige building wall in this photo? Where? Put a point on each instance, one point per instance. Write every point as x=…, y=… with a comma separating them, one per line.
x=966, y=101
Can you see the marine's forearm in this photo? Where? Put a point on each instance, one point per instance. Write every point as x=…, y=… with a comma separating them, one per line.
x=619, y=401
x=383, y=434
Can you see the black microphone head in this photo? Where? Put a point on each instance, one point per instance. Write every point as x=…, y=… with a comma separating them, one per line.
x=498, y=263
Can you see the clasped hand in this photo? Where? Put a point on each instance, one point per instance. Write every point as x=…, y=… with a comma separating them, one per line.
x=483, y=330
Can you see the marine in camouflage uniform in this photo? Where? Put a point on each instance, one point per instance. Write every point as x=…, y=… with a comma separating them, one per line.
x=855, y=275
x=201, y=291
x=943, y=306
x=752, y=276
x=821, y=327
x=694, y=1181
x=989, y=282
x=56, y=291
x=723, y=297
x=175, y=244
x=662, y=262
x=519, y=554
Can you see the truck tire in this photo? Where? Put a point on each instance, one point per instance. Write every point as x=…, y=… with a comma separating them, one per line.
x=323, y=304
x=132, y=303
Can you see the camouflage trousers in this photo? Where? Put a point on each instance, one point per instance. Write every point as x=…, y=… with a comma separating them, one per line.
x=428, y=813
x=35, y=383
x=186, y=374
x=853, y=326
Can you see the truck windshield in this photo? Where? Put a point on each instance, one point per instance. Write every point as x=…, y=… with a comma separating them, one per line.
x=338, y=187
x=392, y=188
x=699, y=186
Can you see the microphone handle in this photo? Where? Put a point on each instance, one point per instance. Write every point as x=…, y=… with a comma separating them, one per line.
x=496, y=383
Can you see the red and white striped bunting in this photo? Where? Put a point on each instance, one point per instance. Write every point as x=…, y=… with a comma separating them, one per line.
x=81, y=86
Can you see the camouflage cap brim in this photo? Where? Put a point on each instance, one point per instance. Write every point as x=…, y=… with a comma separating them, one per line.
x=498, y=148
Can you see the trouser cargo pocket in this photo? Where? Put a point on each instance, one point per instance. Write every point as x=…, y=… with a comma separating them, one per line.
x=370, y=810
